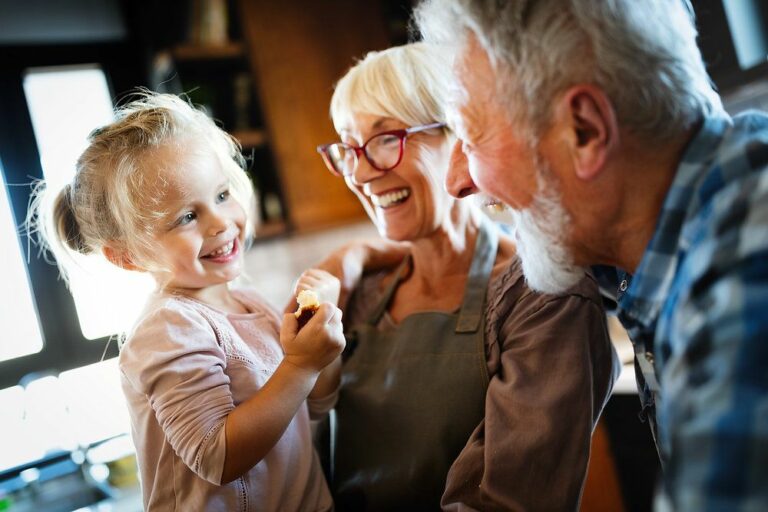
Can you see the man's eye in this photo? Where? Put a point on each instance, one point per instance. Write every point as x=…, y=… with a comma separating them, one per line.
x=223, y=196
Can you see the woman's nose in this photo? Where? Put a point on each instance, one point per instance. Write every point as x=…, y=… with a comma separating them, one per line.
x=458, y=181
x=364, y=171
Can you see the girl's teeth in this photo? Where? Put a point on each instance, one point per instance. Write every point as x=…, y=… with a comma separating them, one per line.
x=390, y=198
x=224, y=250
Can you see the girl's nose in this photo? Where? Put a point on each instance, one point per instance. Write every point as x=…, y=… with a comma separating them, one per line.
x=217, y=225
x=458, y=181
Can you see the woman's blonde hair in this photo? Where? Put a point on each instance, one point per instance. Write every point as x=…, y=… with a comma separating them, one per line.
x=407, y=83
x=107, y=202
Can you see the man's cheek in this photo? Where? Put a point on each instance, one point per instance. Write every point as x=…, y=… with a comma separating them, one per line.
x=473, y=165
x=481, y=172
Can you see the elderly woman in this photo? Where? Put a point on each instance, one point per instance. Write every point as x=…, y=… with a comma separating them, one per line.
x=461, y=387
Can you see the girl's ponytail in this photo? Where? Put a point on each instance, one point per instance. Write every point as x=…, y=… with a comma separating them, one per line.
x=65, y=222
x=52, y=225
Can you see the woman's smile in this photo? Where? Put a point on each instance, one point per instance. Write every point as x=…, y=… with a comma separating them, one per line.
x=390, y=198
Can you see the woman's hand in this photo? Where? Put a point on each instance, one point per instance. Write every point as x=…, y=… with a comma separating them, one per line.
x=348, y=262
x=318, y=343
x=326, y=286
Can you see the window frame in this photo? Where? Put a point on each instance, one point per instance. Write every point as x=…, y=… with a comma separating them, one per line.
x=718, y=49
x=64, y=346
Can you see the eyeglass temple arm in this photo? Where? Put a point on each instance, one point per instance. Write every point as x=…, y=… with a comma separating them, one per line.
x=416, y=129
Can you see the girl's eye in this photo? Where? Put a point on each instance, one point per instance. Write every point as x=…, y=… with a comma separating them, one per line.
x=186, y=218
x=223, y=196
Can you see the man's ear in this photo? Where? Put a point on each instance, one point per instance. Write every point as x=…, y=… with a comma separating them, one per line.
x=120, y=258
x=593, y=131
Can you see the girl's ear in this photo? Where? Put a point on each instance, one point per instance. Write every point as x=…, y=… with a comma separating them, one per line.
x=120, y=258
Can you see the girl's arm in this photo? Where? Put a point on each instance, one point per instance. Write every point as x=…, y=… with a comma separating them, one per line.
x=328, y=381
x=255, y=426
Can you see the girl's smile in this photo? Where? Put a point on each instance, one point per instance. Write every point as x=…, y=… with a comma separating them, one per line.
x=224, y=253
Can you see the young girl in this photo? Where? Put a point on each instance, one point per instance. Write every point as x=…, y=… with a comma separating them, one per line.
x=219, y=412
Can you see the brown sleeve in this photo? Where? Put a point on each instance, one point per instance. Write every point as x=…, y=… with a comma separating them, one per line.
x=552, y=377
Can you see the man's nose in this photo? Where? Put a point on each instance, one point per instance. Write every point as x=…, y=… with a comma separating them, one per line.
x=458, y=181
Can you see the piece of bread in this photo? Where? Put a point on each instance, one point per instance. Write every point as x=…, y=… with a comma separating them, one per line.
x=308, y=304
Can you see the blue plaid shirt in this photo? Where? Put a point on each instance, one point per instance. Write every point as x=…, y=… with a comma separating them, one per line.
x=697, y=311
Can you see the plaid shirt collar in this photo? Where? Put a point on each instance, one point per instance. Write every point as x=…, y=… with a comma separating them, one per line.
x=643, y=299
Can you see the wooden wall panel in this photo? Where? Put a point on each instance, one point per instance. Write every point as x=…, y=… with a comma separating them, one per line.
x=602, y=491
x=298, y=50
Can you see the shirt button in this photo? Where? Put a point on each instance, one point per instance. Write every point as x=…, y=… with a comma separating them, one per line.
x=623, y=285
x=649, y=357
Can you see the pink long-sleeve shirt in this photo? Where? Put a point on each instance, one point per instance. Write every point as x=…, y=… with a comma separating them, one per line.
x=184, y=368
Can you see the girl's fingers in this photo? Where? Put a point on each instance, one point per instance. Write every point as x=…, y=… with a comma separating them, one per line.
x=288, y=328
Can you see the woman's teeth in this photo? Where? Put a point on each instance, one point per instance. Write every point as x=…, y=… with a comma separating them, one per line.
x=385, y=200
x=222, y=251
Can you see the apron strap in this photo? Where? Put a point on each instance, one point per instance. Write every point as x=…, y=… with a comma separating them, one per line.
x=390, y=292
x=483, y=259
x=479, y=274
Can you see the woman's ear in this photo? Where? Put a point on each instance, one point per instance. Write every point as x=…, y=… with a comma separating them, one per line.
x=120, y=258
x=588, y=116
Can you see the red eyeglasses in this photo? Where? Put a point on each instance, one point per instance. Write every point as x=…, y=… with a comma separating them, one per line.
x=384, y=151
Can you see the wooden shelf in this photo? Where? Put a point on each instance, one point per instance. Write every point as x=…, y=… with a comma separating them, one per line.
x=250, y=138
x=270, y=229
x=194, y=52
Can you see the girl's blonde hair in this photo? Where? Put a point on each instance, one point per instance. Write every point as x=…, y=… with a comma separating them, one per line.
x=407, y=83
x=107, y=202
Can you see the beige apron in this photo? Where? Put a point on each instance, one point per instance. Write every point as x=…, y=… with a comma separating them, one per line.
x=411, y=396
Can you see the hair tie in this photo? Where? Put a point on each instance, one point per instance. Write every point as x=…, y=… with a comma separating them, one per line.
x=96, y=132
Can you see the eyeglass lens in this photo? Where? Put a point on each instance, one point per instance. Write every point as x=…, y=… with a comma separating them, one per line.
x=382, y=152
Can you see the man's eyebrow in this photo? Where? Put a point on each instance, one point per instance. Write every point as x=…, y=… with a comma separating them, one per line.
x=460, y=119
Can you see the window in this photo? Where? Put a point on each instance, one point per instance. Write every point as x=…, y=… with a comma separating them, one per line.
x=61, y=129
x=51, y=84
x=61, y=413
x=59, y=73
x=746, y=22
x=21, y=331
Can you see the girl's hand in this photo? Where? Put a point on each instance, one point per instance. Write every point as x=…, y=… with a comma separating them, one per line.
x=321, y=282
x=318, y=343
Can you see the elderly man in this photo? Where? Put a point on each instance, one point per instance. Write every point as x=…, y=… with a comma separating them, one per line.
x=595, y=122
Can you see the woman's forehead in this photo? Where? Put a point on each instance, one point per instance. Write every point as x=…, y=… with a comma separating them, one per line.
x=359, y=123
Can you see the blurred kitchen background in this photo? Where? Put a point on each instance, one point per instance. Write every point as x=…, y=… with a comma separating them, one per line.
x=265, y=70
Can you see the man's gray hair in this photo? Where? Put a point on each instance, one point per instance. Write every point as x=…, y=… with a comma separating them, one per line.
x=642, y=53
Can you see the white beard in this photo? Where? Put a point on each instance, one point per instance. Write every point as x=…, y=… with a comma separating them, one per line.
x=547, y=265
